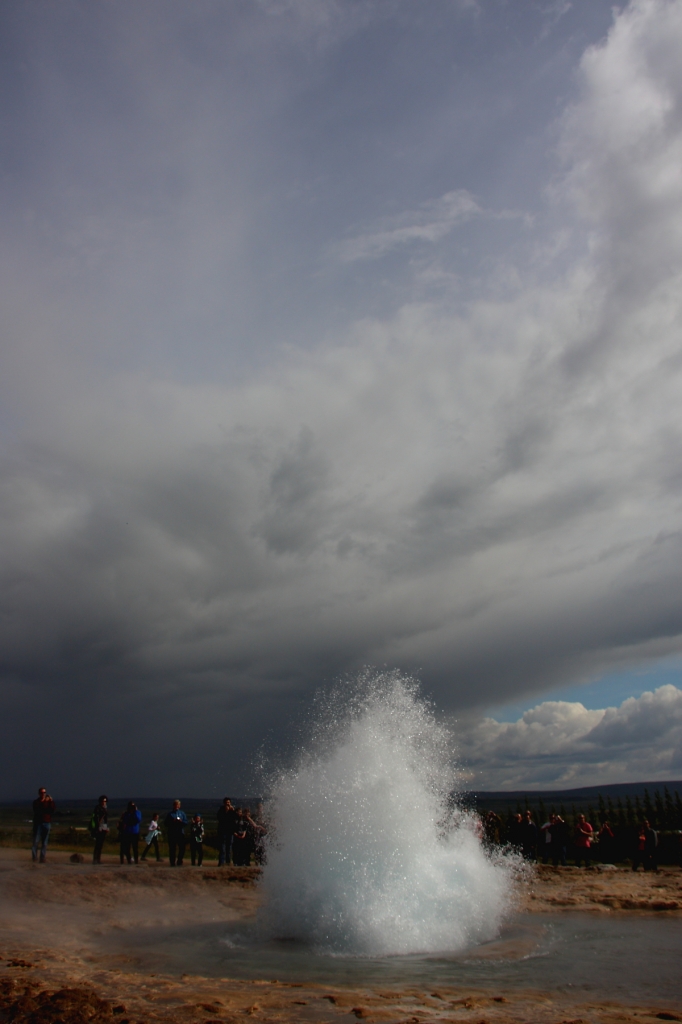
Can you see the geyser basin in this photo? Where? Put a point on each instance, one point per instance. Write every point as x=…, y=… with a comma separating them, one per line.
x=368, y=853
x=625, y=958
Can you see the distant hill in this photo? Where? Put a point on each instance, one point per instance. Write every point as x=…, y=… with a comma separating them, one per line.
x=581, y=798
x=614, y=790
x=481, y=799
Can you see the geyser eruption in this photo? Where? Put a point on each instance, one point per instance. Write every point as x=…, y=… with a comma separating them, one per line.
x=369, y=854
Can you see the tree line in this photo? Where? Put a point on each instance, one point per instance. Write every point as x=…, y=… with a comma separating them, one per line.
x=663, y=811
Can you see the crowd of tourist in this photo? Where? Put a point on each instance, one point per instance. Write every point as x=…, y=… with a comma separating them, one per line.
x=240, y=834
x=554, y=839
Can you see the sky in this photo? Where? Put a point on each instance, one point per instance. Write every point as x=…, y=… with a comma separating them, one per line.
x=335, y=335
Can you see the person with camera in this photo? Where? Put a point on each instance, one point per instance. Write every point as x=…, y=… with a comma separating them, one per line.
x=43, y=809
x=99, y=827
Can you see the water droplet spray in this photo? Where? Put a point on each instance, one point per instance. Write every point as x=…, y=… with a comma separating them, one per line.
x=370, y=852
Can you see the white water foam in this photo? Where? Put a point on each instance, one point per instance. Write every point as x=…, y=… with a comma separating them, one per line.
x=368, y=854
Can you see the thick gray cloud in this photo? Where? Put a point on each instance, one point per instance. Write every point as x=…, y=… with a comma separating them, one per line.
x=562, y=744
x=231, y=471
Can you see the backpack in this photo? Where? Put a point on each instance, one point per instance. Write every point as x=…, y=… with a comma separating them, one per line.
x=93, y=825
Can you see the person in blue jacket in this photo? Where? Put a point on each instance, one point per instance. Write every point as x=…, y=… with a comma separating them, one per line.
x=175, y=822
x=129, y=827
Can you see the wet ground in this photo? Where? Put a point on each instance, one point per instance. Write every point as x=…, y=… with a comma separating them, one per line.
x=148, y=943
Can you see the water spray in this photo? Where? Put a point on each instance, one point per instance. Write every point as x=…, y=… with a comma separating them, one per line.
x=370, y=852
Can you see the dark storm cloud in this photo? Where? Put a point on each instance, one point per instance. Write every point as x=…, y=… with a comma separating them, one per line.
x=201, y=520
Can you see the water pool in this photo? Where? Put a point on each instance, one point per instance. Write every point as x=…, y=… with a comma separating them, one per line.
x=630, y=959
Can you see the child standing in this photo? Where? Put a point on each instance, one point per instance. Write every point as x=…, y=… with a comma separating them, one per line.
x=153, y=836
x=196, y=840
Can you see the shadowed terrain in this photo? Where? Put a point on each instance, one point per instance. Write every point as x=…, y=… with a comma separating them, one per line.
x=74, y=939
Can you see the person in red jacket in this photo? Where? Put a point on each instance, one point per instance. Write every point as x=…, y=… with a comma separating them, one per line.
x=582, y=840
x=43, y=809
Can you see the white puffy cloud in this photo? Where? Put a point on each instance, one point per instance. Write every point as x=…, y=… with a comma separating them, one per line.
x=562, y=744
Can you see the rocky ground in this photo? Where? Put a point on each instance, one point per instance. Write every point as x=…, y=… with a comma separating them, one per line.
x=55, y=965
x=605, y=889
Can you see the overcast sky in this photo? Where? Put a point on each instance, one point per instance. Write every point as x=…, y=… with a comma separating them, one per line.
x=339, y=334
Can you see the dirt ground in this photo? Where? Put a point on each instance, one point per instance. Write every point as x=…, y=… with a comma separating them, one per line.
x=605, y=889
x=54, y=968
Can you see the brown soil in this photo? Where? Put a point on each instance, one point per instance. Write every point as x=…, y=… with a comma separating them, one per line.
x=53, y=968
x=602, y=889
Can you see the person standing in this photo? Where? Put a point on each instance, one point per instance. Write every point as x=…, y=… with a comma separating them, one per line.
x=492, y=828
x=529, y=837
x=260, y=833
x=514, y=833
x=99, y=827
x=153, y=836
x=640, y=846
x=241, y=854
x=582, y=840
x=547, y=831
x=196, y=840
x=559, y=841
x=227, y=821
x=43, y=809
x=130, y=832
x=650, y=847
x=605, y=842
x=176, y=820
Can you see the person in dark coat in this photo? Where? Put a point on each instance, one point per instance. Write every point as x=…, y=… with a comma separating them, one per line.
x=529, y=837
x=129, y=827
x=646, y=848
x=227, y=820
x=176, y=821
x=515, y=833
x=99, y=824
x=241, y=855
x=606, y=839
x=196, y=840
x=492, y=828
x=559, y=841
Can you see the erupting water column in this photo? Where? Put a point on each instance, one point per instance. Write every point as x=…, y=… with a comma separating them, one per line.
x=368, y=855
